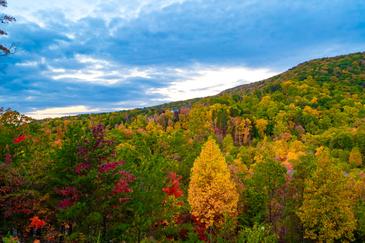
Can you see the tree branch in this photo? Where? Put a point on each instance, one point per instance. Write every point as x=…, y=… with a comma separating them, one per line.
x=3, y=3
x=7, y=50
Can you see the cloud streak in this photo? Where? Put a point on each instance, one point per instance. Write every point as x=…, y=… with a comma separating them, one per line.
x=206, y=81
x=61, y=111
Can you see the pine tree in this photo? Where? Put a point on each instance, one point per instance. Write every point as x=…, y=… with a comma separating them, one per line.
x=212, y=192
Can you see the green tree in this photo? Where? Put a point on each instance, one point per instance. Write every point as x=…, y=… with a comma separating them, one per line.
x=268, y=177
x=342, y=140
x=327, y=210
x=257, y=234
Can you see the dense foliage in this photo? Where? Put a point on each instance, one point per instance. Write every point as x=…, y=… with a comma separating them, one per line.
x=212, y=192
x=278, y=160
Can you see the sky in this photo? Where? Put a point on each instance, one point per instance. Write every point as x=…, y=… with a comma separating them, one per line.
x=89, y=56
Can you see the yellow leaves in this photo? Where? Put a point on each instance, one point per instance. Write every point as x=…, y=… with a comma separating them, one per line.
x=355, y=157
x=154, y=127
x=286, y=84
x=314, y=100
x=326, y=212
x=288, y=152
x=261, y=125
x=258, y=158
x=319, y=151
x=125, y=131
x=304, y=88
x=199, y=120
x=241, y=130
x=265, y=101
x=125, y=146
x=292, y=106
x=309, y=110
x=212, y=193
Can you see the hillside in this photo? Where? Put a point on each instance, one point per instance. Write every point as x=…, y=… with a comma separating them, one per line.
x=340, y=68
x=281, y=160
x=329, y=80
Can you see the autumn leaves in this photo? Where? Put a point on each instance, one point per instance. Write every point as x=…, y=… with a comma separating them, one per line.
x=325, y=208
x=212, y=193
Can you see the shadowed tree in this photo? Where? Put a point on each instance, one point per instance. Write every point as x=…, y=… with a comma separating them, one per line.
x=5, y=19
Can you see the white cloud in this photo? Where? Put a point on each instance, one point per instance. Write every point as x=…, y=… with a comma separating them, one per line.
x=206, y=81
x=183, y=83
x=75, y=10
x=61, y=111
x=29, y=9
x=27, y=64
x=97, y=71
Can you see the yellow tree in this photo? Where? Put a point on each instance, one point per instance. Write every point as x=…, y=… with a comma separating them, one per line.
x=261, y=125
x=241, y=130
x=327, y=210
x=355, y=157
x=212, y=192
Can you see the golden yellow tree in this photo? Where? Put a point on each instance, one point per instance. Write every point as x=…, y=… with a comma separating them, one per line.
x=212, y=192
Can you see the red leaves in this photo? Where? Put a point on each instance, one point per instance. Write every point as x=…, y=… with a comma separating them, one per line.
x=19, y=139
x=8, y=158
x=37, y=223
x=71, y=194
x=81, y=168
x=110, y=166
x=200, y=229
x=65, y=203
x=67, y=191
x=174, y=189
x=122, y=185
x=289, y=167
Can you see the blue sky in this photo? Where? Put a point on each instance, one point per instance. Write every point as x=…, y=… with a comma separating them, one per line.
x=77, y=56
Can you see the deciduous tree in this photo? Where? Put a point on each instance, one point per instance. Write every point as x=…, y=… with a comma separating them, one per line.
x=212, y=192
x=327, y=210
x=355, y=157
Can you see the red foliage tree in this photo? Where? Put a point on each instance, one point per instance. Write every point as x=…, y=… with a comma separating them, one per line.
x=37, y=223
x=174, y=188
x=19, y=139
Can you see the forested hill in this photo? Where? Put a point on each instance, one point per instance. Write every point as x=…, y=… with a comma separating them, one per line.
x=349, y=68
x=323, y=84
x=280, y=160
